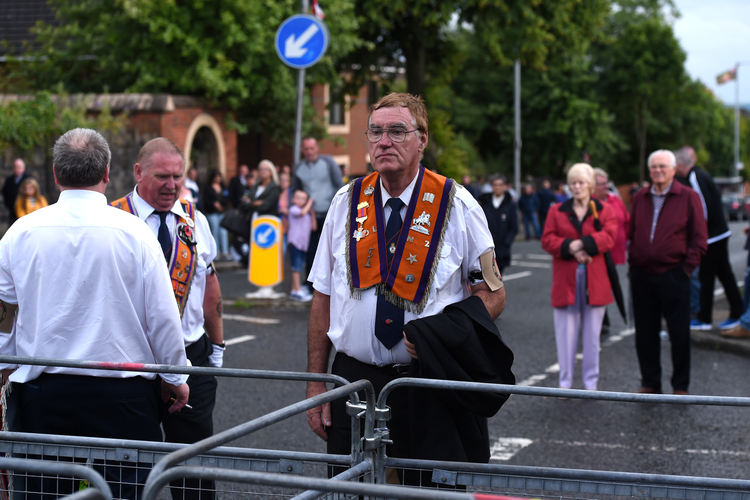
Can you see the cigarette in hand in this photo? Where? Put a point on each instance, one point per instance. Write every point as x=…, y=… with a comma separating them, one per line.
x=186, y=405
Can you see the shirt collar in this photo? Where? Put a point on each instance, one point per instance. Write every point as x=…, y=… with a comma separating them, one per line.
x=82, y=194
x=666, y=191
x=405, y=196
x=143, y=209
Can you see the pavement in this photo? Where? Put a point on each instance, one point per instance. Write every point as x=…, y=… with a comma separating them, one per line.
x=713, y=340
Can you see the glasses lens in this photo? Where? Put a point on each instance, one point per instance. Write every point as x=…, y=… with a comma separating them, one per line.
x=374, y=135
x=397, y=134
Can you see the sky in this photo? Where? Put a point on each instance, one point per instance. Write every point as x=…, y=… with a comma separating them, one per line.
x=715, y=34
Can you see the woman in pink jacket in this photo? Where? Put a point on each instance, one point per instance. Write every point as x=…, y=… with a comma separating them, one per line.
x=580, y=284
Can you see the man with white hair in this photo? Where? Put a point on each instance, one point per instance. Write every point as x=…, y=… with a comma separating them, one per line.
x=667, y=239
x=715, y=264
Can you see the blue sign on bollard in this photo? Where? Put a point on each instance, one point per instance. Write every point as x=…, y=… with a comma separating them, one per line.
x=301, y=41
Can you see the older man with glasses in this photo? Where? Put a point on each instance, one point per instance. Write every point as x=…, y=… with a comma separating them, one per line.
x=667, y=239
x=406, y=254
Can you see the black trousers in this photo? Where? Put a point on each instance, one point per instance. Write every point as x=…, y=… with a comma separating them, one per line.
x=192, y=425
x=654, y=296
x=313, y=247
x=339, y=434
x=74, y=405
x=715, y=264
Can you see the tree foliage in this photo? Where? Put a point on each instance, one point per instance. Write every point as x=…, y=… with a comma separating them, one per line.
x=221, y=49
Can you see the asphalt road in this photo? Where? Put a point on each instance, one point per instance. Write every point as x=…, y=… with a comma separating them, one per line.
x=598, y=435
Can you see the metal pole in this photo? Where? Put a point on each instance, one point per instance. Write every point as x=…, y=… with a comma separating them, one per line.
x=298, y=126
x=736, y=121
x=300, y=95
x=517, y=139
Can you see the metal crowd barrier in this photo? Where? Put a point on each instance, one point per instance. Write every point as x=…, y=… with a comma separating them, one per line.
x=249, y=473
x=98, y=489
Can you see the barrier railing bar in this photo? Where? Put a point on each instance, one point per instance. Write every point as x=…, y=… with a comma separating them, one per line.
x=554, y=392
x=184, y=370
x=228, y=435
x=347, y=475
x=67, y=470
x=307, y=483
x=572, y=474
x=160, y=447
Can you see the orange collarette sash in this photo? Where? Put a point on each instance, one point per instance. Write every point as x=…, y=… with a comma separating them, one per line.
x=182, y=264
x=408, y=282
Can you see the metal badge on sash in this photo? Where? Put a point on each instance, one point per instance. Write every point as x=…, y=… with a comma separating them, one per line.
x=185, y=233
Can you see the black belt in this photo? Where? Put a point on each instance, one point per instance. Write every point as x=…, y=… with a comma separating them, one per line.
x=395, y=369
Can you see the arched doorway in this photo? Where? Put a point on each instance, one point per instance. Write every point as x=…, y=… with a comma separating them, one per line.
x=204, y=147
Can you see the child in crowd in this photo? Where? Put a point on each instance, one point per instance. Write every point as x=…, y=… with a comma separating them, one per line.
x=301, y=224
x=29, y=198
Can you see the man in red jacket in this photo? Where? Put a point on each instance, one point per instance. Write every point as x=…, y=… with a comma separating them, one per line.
x=667, y=239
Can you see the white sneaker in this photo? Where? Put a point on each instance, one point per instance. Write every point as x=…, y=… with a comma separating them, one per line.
x=299, y=296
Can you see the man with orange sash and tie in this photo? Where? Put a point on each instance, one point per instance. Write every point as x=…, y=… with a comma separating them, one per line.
x=406, y=284
x=189, y=250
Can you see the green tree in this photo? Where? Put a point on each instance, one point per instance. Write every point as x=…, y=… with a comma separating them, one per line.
x=222, y=50
x=38, y=120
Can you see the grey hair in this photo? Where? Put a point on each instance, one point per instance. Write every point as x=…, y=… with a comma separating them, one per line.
x=80, y=158
x=495, y=177
x=672, y=159
x=684, y=155
x=598, y=172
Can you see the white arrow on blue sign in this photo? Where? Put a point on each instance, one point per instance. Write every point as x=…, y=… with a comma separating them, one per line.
x=301, y=41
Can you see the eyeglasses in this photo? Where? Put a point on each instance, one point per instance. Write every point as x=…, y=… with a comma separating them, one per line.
x=662, y=166
x=395, y=134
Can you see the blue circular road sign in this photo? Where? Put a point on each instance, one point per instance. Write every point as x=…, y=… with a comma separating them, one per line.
x=265, y=235
x=301, y=41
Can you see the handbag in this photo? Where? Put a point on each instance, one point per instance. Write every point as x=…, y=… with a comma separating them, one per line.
x=237, y=221
x=614, y=278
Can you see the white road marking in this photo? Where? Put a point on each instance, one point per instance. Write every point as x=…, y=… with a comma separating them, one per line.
x=541, y=265
x=252, y=319
x=239, y=340
x=538, y=256
x=516, y=276
x=505, y=448
x=552, y=369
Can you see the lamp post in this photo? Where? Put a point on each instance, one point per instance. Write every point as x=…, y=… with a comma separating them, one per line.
x=723, y=78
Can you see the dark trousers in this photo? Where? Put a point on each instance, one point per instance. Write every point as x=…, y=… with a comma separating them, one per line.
x=339, y=434
x=654, y=296
x=715, y=264
x=74, y=405
x=313, y=247
x=192, y=425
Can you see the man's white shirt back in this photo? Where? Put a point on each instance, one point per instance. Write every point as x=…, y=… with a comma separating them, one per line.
x=90, y=284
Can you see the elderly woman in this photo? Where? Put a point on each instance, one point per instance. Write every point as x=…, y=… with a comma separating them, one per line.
x=580, y=285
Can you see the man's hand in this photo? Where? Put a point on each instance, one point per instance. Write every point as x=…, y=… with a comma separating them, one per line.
x=410, y=348
x=182, y=393
x=318, y=418
x=216, y=359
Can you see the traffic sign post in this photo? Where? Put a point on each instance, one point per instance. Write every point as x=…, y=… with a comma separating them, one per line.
x=300, y=42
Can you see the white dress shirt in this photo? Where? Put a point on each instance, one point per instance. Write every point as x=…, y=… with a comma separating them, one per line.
x=90, y=284
x=497, y=200
x=352, y=326
x=192, y=318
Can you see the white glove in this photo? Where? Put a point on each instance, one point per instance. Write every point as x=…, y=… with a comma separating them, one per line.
x=216, y=359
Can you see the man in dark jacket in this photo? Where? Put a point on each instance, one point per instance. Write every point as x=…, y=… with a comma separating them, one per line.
x=546, y=200
x=502, y=219
x=10, y=188
x=715, y=264
x=667, y=239
x=529, y=205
